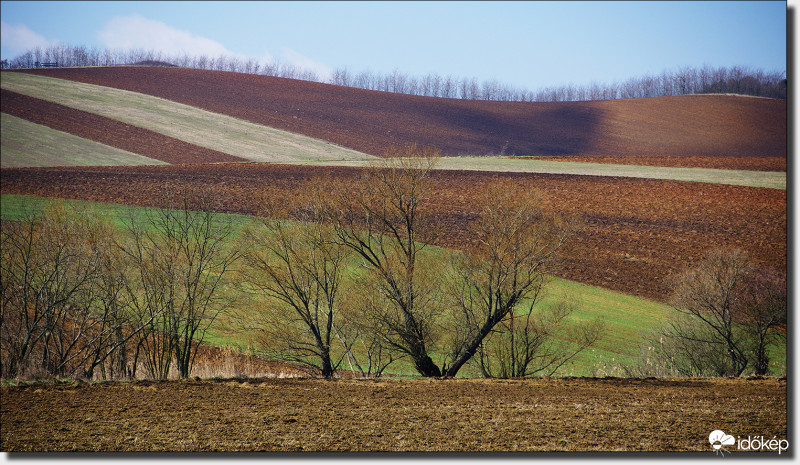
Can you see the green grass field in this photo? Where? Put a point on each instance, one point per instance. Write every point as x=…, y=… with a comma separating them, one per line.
x=29, y=144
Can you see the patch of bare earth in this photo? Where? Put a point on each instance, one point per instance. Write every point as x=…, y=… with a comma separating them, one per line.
x=637, y=231
x=537, y=414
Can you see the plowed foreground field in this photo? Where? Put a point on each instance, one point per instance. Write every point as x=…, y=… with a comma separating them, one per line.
x=537, y=414
x=637, y=231
x=370, y=122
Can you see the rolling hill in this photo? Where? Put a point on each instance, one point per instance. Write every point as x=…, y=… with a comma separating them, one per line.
x=105, y=114
x=638, y=231
x=371, y=121
x=203, y=130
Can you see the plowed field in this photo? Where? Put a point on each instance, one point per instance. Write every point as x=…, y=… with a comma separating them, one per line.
x=637, y=231
x=392, y=415
x=370, y=122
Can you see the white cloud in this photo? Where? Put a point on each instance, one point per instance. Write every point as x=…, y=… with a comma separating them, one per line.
x=18, y=38
x=323, y=71
x=137, y=32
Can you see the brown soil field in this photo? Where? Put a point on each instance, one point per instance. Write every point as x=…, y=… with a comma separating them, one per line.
x=158, y=146
x=537, y=414
x=370, y=121
x=721, y=163
x=637, y=231
x=108, y=131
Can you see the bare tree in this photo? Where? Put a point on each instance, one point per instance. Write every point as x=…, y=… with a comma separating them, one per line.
x=180, y=254
x=710, y=293
x=115, y=315
x=361, y=330
x=449, y=87
x=48, y=267
x=300, y=266
x=763, y=310
x=101, y=321
x=61, y=293
x=516, y=245
x=537, y=340
x=729, y=314
x=379, y=218
x=341, y=77
x=78, y=333
x=680, y=348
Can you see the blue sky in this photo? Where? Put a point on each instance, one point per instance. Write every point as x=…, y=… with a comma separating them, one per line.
x=525, y=44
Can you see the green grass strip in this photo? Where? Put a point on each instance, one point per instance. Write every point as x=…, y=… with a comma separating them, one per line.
x=29, y=144
x=13, y=207
x=770, y=179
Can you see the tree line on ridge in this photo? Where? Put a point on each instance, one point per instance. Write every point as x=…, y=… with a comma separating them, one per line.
x=685, y=80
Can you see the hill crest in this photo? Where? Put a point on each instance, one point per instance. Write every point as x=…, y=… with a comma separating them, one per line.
x=372, y=121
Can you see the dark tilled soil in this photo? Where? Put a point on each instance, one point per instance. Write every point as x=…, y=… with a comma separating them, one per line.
x=637, y=231
x=391, y=415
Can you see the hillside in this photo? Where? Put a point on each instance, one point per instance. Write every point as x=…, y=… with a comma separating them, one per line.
x=636, y=233
x=370, y=121
x=153, y=125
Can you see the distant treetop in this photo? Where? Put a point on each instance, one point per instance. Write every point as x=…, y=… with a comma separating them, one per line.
x=687, y=80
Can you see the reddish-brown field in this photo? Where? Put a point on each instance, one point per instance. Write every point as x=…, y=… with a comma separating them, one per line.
x=637, y=231
x=538, y=414
x=369, y=121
